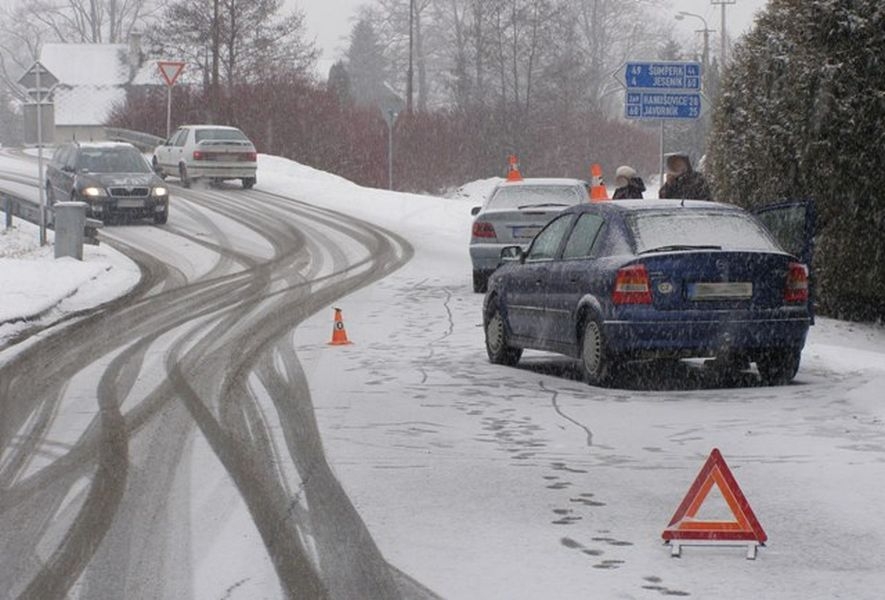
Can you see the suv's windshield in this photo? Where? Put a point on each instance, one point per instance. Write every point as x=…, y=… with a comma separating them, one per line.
x=220, y=134
x=519, y=196
x=686, y=230
x=111, y=160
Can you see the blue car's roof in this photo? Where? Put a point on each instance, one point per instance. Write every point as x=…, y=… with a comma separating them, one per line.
x=652, y=204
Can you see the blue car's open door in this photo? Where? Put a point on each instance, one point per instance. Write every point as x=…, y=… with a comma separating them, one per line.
x=792, y=223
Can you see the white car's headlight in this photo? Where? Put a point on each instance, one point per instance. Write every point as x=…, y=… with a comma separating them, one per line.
x=160, y=191
x=93, y=192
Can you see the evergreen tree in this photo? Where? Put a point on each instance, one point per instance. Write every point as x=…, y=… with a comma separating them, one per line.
x=366, y=64
x=801, y=114
x=339, y=83
x=10, y=121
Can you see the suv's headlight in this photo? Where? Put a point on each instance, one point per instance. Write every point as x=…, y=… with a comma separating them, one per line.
x=160, y=192
x=93, y=192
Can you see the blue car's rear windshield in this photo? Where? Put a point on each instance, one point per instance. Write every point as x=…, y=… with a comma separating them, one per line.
x=728, y=230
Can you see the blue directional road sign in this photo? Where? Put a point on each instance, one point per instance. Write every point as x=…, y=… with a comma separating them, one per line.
x=662, y=105
x=663, y=75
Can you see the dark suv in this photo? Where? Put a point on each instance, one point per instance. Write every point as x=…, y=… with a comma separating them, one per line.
x=113, y=178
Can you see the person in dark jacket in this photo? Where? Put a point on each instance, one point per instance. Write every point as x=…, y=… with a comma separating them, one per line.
x=683, y=182
x=629, y=185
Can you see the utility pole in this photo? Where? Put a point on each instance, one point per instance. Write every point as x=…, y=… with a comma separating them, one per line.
x=723, y=51
x=411, y=62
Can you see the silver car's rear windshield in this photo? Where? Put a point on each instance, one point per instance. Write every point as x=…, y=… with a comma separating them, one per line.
x=111, y=160
x=220, y=134
x=694, y=228
x=533, y=195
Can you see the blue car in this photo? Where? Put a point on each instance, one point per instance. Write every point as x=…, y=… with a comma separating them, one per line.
x=611, y=282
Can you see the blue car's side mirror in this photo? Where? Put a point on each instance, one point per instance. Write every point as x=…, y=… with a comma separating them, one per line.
x=510, y=254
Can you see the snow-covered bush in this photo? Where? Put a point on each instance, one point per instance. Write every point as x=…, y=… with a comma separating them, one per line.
x=802, y=114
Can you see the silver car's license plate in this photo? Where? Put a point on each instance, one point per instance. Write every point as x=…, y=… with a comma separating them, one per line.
x=526, y=231
x=130, y=203
x=727, y=290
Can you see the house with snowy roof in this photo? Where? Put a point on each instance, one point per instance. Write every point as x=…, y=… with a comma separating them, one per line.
x=92, y=81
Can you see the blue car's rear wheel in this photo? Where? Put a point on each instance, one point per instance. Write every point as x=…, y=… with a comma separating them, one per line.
x=499, y=350
x=595, y=359
x=778, y=366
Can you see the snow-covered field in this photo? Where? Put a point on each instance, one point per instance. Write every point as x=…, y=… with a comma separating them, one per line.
x=490, y=482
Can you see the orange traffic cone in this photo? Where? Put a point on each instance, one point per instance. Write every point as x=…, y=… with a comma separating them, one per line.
x=513, y=173
x=339, y=334
x=597, y=185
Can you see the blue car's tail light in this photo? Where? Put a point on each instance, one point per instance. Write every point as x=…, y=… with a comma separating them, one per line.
x=796, y=289
x=632, y=286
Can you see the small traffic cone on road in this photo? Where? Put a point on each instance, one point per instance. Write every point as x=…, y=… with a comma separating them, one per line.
x=339, y=334
x=598, y=192
x=513, y=173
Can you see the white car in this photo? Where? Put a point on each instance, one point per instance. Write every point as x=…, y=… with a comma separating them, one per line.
x=211, y=152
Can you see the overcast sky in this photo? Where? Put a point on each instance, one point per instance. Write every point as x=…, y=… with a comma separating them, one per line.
x=329, y=21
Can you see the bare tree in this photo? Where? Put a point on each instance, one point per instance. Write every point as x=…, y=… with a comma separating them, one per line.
x=235, y=41
x=95, y=21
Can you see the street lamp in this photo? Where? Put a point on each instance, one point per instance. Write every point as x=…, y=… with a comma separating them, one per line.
x=706, y=31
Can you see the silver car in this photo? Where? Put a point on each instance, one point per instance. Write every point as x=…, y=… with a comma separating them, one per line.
x=513, y=214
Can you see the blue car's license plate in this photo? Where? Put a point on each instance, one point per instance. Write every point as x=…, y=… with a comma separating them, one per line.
x=727, y=290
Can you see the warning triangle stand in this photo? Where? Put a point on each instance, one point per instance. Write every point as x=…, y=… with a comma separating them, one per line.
x=685, y=529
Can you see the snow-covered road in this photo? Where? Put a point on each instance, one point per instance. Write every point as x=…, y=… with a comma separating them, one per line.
x=492, y=482
x=476, y=480
x=167, y=446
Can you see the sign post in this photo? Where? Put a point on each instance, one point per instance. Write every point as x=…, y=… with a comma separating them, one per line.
x=39, y=82
x=663, y=91
x=390, y=118
x=170, y=70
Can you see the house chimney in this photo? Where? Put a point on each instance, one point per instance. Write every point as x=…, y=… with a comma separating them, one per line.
x=135, y=57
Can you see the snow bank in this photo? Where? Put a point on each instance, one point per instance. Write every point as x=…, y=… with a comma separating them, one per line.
x=31, y=287
x=477, y=191
x=37, y=289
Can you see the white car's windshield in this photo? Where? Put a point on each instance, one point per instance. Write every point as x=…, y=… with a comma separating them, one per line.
x=699, y=229
x=533, y=195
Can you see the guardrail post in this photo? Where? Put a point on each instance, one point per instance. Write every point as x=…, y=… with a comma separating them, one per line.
x=7, y=206
x=70, y=223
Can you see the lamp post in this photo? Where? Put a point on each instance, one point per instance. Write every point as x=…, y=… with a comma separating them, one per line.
x=724, y=38
x=410, y=75
x=390, y=116
x=705, y=57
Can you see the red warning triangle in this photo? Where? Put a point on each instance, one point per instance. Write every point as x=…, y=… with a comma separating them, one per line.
x=170, y=70
x=685, y=526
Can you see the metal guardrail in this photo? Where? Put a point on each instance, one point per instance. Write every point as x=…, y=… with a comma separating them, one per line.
x=143, y=141
x=16, y=206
